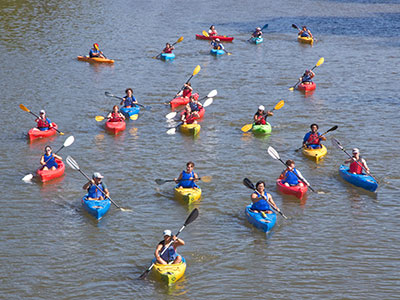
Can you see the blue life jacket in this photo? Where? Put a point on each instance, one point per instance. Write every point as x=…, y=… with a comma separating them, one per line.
x=170, y=254
x=50, y=161
x=291, y=178
x=194, y=106
x=185, y=182
x=94, y=192
x=305, y=34
x=261, y=204
x=129, y=101
x=94, y=53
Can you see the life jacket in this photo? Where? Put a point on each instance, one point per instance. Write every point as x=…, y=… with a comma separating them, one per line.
x=185, y=182
x=189, y=117
x=257, y=34
x=261, y=204
x=94, y=53
x=194, y=106
x=43, y=123
x=115, y=117
x=94, y=192
x=129, y=101
x=50, y=161
x=260, y=119
x=187, y=93
x=167, y=50
x=313, y=139
x=291, y=178
x=306, y=78
x=355, y=168
x=212, y=32
x=170, y=254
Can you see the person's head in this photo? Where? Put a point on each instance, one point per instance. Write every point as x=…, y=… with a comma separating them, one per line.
x=188, y=85
x=217, y=40
x=258, y=28
x=356, y=152
x=304, y=27
x=47, y=149
x=168, y=45
x=189, y=166
x=97, y=176
x=115, y=108
x=212, y=27
x=261, y=108
x=167, y=234
x=96, y=46
x=42, y=113
x=260, y=185
x=192, y=98
x=129, y=92
x=290, y=163
x=314, y=127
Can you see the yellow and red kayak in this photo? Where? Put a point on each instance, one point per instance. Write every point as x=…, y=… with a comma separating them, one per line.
x=96, y=59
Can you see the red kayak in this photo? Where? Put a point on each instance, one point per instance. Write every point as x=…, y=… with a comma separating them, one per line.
x=298, y=191
x=179, y=101
x=222, y=38
x=306, y=87
x=51, y=174
x=115, y=127
x=34, y=133
x=201, y=113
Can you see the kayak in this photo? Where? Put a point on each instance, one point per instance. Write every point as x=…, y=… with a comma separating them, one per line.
x=297, y=191
x=190, y=129
x=34, y=133
x=96, y=59
x=361, y=180
x=316, y=154
x=46, y=175
x=306, y=87
x=115, y=127
x=167, y=56
x=261, y=129
x=97, y=208
x=180, y=101
x=130, y=111
x=305, y=40
x=217, y=52
x=259, y=221
x=187, y=195
x=257, y=40
x=222, y=38
x=169, y=273
x=201, y=112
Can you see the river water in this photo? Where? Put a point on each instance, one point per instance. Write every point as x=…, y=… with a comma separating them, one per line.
x=339, y=244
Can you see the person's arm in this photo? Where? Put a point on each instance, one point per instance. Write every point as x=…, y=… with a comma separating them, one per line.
x=157, y=255
x=109, y=116
x=312, y=74
x=321, y=137
x=177, y=180
x=57, y=157
x=350, y=160
x=269, y=113
x=309, y=32
x=365, y=165
x=87, y=185
x=134, y=99
x=123, y=101
x=302, y=178
x=306, y=136
x=42, y=162
x=271, y=201
x=106, y=192
x=122, y=116
x=177, y=241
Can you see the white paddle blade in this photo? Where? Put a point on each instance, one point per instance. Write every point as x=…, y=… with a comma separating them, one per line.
x=274, y=154
x=171, y=115
x=108, y=94
x=69, y=141
x=27, y=178
x=72, y=163
x=171, y=131
x=212, y=94
x=336, y=143
x=208, y=102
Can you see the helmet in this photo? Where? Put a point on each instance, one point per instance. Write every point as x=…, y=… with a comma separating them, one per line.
x=261, y=107
x=217, y=39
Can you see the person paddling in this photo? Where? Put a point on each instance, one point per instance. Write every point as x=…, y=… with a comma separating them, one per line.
x=217, y=45
x=307, y=77
x=129, y=100
x=313, y=138
x=356, y=161
x=257, y=33
x=187, y=178
x=115, y=115
x=95, y=51
x=260, y=117
x=95, y=186
x=262, y=201
x=195, y=105
x=168, y=48
x=48, y=159
x=289, y=177
x=170, y=256
x=43, y=123
x=304, y=32
x=212, y=31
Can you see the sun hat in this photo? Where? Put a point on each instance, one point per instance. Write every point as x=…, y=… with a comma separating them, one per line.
x=167, y=232
x=356, y=150
x=97, y=175
x=261, y=107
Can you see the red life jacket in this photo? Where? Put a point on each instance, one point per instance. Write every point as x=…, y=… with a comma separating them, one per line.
x=187, y=93
x=115, y=117
x=313, y=139
x=189, y=117
x=260, y=120
x=42, y=123
x=212, y=33
x=167, y=50
x=355, y=167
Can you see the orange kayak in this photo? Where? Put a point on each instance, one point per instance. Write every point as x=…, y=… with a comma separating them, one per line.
x=96, y=59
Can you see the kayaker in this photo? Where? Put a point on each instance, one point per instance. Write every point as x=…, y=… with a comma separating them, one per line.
x=168, y=48
x=185, y=179
x=170, y=256
x=95, y=186
x=313, y=138
x=187, y=90
x=212, y=31
x=356, y=161
x=129, y=100
x=195, y=104
x=304, y=32
x=43, y=123
x=217, y=45
x=95, y=51
x=48, y=159
x=307, y=77
x=262, y=200
x=115, y=115
x=257, y=33
x=188, y=116
x=260, y=117
x=289, y=177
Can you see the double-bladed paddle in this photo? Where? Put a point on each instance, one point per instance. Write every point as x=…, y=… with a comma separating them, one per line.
x=23, y=107
x=278, y=106
x=74, y=165
x=203, y=178
x=320, y=62
x=247, y=182
x=193, y=216
x=146, y=107
x=101, y=118
x=329, y=130
x=178, y=41
x=68, y=142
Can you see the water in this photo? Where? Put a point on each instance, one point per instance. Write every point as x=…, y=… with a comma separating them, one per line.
x=343, y=244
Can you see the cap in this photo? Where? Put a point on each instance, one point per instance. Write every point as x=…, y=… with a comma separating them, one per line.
x=217, y=39
x=97, y=175
x=261, y=107
x=356, y=150
x=42, y=111
x=167, y=232
x=258, y=28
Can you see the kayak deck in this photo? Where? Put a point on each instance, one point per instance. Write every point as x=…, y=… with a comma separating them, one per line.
x=95, y=59
x=258, y=220
x=46, y=175
x=315, y=154
x=361, y=180
x=187, y=195
x=169, y=274
x=97, y=208
x=297, y=191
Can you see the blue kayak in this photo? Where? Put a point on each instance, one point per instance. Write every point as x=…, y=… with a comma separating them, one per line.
x=217, y=52
x=97, y=208
x=259, y=221
x=257, y=40
x=361, y=180
x=128, y=112
x=167, y=56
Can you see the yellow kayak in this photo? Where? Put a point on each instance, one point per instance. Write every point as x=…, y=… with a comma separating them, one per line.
x=169, y=273
x=305, y=40
x=316, y=154
x=96, y=59
x=190, y=129
x=187, y=195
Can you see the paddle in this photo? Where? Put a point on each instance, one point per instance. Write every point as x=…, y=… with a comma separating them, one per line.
x=195, y=71
x=172, y=115
x=101, y=118
x=98, y=49
x=336, y=143
x=206, y=35
x=247, y=182
x=68, y=142
x=178, y=41
x=320, y=62
x=74, y=165
x=23, y=107
x=275, y=155
x=203, y=178
x=278, y=106
x=329, y=130
x=262, y=28
x=193, y=216
x=108, y=94
x=296, y=27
